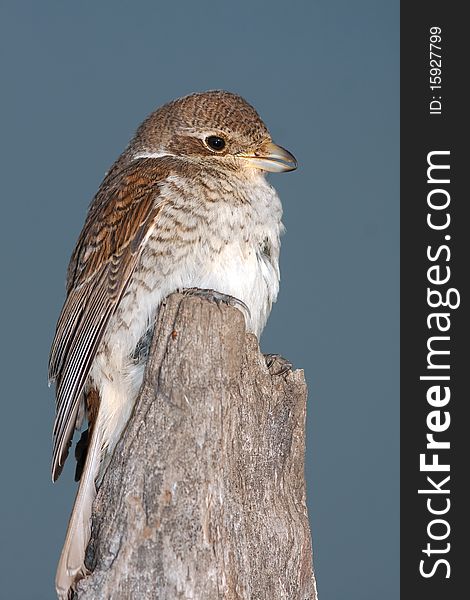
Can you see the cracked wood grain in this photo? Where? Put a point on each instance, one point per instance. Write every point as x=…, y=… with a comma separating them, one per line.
x=205, y=495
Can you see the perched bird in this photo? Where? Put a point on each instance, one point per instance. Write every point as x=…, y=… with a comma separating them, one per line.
x=186, y=205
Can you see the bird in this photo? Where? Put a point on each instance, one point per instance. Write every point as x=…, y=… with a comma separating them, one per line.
x=186, y=206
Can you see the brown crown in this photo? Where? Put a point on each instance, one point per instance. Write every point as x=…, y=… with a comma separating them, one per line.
x=213, y=110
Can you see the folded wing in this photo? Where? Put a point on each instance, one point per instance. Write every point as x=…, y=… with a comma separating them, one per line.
x=121, y=218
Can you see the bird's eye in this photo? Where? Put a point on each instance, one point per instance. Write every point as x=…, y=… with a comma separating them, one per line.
x=215, y=142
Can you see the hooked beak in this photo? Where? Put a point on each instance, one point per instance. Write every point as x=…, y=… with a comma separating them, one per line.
x=271, y=157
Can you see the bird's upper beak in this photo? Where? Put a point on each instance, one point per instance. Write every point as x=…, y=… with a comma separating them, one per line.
x=271, y=157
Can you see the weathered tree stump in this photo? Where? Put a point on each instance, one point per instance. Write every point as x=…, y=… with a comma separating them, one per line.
x=205, y=495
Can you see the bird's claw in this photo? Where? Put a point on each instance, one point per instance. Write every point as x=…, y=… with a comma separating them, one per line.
x=217, y=297
x=277, y=364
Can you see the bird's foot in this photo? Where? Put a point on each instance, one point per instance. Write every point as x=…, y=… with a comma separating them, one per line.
x=217, y=297
x=277, y=364
x=142, y=349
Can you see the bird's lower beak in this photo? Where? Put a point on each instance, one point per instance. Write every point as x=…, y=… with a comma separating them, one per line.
x=271, y=157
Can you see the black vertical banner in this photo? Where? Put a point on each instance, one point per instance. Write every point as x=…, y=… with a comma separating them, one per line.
x=435, y=340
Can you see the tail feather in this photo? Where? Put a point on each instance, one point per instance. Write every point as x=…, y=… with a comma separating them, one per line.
x=71, y=565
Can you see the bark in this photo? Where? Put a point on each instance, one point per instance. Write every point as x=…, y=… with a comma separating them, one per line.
x=205, y=495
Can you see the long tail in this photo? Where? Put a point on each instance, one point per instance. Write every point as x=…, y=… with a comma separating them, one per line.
x=71, y=564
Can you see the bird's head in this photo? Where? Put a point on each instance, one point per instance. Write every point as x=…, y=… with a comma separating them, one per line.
x=215, y=129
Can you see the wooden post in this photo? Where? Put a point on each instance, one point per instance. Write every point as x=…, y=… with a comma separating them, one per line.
x=204, y=498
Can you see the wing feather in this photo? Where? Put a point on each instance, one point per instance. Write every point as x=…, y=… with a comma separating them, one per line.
x=120, y=219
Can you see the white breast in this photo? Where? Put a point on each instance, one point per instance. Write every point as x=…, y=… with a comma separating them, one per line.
x=233, y=249
x=237, y=251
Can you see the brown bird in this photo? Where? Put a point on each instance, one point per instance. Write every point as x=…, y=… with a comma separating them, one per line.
x=186, y=205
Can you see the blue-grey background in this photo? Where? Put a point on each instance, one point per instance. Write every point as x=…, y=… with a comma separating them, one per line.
x=76, y=79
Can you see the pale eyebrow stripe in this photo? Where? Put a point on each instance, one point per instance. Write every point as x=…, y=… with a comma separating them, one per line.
x=151, y=155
